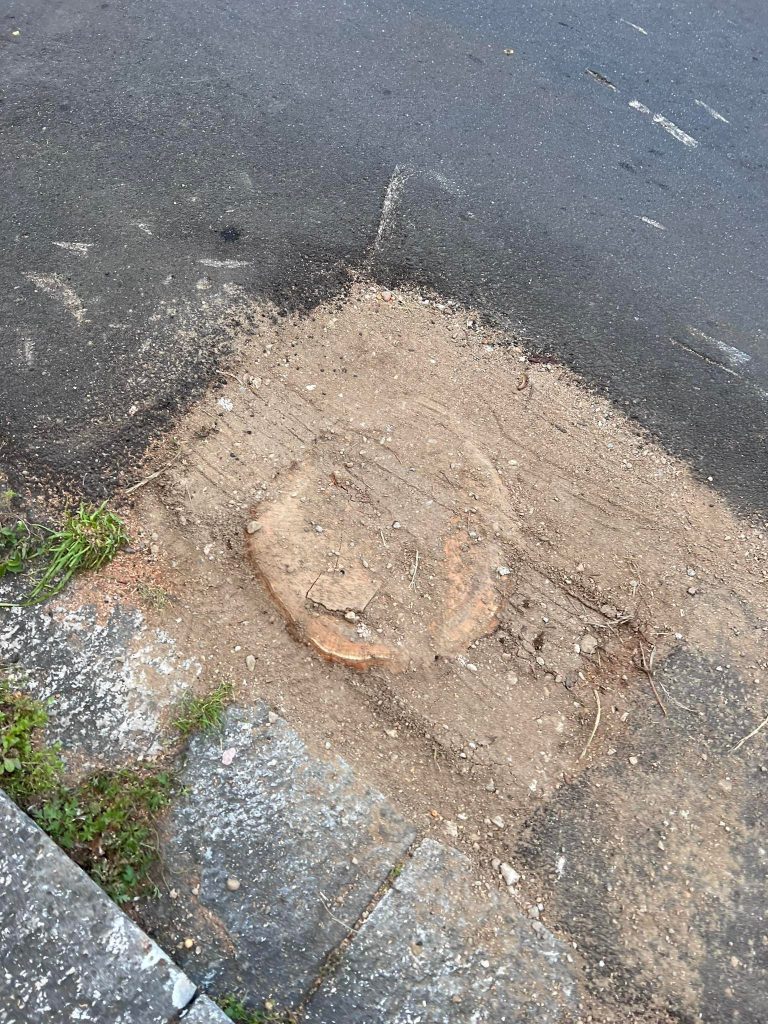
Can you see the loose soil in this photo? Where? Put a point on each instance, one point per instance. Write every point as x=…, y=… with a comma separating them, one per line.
x=463, y=566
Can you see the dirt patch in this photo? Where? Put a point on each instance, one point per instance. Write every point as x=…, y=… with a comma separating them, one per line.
x=486, y=554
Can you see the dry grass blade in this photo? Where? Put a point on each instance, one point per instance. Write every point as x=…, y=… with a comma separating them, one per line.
x=755, y=731
x=595, y=727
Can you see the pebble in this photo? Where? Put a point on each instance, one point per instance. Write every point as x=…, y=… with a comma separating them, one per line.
x=250, y=662
x=395, y=525
x=503, y=570
x=588, y=644
x=692, y=591
x=490, y=786
x=633, y=760
x=498, y=821
x=189, y=943
x=508, y=873
x=233, y=884
x=452, y=829
x=253, y=527
x=350, y=616
x=495, y=863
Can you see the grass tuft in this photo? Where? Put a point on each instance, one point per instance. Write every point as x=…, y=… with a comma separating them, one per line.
x=88, y=539
x=202, y=714
x=236, y=1010
x=105, y=822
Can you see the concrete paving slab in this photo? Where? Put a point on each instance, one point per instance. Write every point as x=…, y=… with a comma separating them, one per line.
x=434, y=952
x=204, y=1011
x=67, y=952
x=109, y=675
x=272, y=856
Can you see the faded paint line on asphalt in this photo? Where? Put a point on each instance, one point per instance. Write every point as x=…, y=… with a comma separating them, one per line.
x=669, y=126
x=55, y=286
x=712, y=111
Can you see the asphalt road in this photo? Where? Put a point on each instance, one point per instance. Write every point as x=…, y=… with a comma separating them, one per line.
x=616, y=219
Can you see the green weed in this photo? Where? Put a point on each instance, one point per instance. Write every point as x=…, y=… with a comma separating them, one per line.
x=89, y=537
x=19, y=544
x=201, y=714
x=106, y=825
x=87, y=540
x=236, y=1010
x=105, y=822
x=28, y=768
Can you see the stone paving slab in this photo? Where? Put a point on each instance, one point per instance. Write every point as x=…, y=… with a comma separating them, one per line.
x=434, y=952
x=203, y=1011
x=305, y=845
x=109, y=675
x=67, y=952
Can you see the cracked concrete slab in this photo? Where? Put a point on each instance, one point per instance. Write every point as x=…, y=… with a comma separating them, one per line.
x=268, y=857
x=435, y=952
x=67, y=952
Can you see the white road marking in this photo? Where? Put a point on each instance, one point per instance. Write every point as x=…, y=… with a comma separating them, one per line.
x=734, y=355
x=712, y=111
x=637, y=28
x=391, y=201
x=666, y=124
x=55, y=286
x=81, y=248
x=653, y=223
x=28, y=349
x=226, y=264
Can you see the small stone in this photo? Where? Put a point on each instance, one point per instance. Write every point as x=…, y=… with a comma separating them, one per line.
x=503, y=570
x=508, y=873
x=690, y=572
x=692, y=591
x=495, y=863
x=271, y=717
x=498, y=821
x=350, y=616
x=392, y=733
x=319, y=529
x=233, y=884
x=588, y=644
x=154, y=549
x=395, y=525
x=250, y=662
x=533, y=912
x=386, y=296
x=633, y=760
x=452, y=829
x=189, y=943
x=253, y=527
x=490, y=786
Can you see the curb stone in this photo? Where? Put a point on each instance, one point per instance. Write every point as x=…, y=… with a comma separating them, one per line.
x=67, y=952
